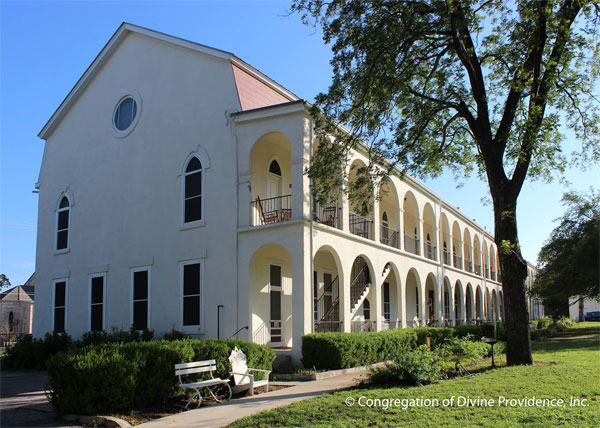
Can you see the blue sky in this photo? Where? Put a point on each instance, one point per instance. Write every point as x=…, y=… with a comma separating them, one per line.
x=46, y=46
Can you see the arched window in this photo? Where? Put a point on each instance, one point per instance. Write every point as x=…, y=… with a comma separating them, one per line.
x=384, y=219
x=11, y=321
x=274, y=168
x=193, y=207
x=63, y=223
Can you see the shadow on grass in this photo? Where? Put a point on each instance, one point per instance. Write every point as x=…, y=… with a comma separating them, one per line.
x=548, y=346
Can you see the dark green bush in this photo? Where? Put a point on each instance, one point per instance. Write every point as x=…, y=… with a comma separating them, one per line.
x=116, y=377
x=174, y=335
x=31, y=354
x=325, y=351
x=344, y=350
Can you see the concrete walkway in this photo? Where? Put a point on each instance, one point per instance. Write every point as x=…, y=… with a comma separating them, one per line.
x=23, y=401
x=223, y=414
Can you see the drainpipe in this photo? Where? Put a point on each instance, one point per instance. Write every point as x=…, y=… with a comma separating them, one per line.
x=312, y=275
x=237, y=221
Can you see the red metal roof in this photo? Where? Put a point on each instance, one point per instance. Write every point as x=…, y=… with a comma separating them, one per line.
x=253, y=93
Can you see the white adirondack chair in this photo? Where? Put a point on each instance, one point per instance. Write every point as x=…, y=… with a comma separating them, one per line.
x=242, y=377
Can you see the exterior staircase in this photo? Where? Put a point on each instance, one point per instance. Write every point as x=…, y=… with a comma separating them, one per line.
x=361, y=283
x=328, y=308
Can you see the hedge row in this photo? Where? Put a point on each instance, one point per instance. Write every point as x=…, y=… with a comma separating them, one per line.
x=113, y=377
x=325, y=351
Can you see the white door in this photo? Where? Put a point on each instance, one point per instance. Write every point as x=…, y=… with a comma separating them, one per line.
x=273, y=186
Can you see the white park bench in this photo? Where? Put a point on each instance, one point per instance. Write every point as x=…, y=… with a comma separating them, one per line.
x=242, y=377
x=200, y=367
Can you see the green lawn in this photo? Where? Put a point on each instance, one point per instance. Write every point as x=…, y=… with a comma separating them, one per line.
x=563, y=369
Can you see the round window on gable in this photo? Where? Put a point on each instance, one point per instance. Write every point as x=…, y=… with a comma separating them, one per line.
x=125, y=113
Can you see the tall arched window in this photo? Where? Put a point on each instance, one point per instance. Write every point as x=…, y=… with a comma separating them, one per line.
x=11, y=321
x=193, y=207
x=63, y=223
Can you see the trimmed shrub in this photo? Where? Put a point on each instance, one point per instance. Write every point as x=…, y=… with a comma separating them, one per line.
x=344, y=350
x=114, y=377
x=326, y=351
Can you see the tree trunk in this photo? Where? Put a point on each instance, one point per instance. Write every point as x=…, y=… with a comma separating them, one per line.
x=514, y=273
x=581, y=302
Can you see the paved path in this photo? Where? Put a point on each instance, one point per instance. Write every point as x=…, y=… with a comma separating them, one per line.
x=23, y=401
x=223, y=414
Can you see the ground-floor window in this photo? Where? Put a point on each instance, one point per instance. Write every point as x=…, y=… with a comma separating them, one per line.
x=60, y=306
x=97, y=303
x=141, y=297
x=192, y=293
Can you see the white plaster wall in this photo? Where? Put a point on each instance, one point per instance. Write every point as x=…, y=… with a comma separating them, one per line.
x=127, y=192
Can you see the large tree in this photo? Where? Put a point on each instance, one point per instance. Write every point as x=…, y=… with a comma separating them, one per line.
x=568, y=261
x=467, y=85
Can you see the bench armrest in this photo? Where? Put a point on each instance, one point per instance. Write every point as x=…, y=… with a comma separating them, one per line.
x=260, y=370
x=242, y=374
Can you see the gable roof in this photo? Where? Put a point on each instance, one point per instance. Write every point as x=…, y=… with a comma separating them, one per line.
x=255, y=89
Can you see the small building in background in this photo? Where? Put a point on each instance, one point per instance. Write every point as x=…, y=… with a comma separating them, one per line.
x=578, y=307
x=16, y=312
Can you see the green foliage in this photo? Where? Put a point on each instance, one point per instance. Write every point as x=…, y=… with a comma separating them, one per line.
x=174, y=335
x=470, y=86
x=29, y=353
x=464, y=349
x=543, y=323
x=416, y=367
x=113, y=377
x=326, y=351
x=568, y=261
x=344, y=350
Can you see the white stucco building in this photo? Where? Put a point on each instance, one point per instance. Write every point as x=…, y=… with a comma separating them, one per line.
x=172, y=194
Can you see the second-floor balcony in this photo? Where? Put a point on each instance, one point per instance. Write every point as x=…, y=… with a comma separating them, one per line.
x=457, y=262
x=361, y=226
x=271, y=210
x=477, y=269
x=389, y=236
x=430, y=251
x=446, y=257
x=411, y=244
x=328, y=214
x=493, y=275
x=468, y=265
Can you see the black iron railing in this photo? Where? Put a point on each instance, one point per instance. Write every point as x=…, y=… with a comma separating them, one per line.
x=430, y=251
x=446, y=256
x=389, y=236
x=361, y=226
x=411, y=244
x=329, y=214
x=271, y=210
x=457, y=262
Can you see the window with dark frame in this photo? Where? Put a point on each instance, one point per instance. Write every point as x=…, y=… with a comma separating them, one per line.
x=386, y=302
x=60, y=305
x=192, y=278
x=62, y=226
x=125, y=113
x=193, y=191
x=140, y=299
x=367, y=310
x=97, y=304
